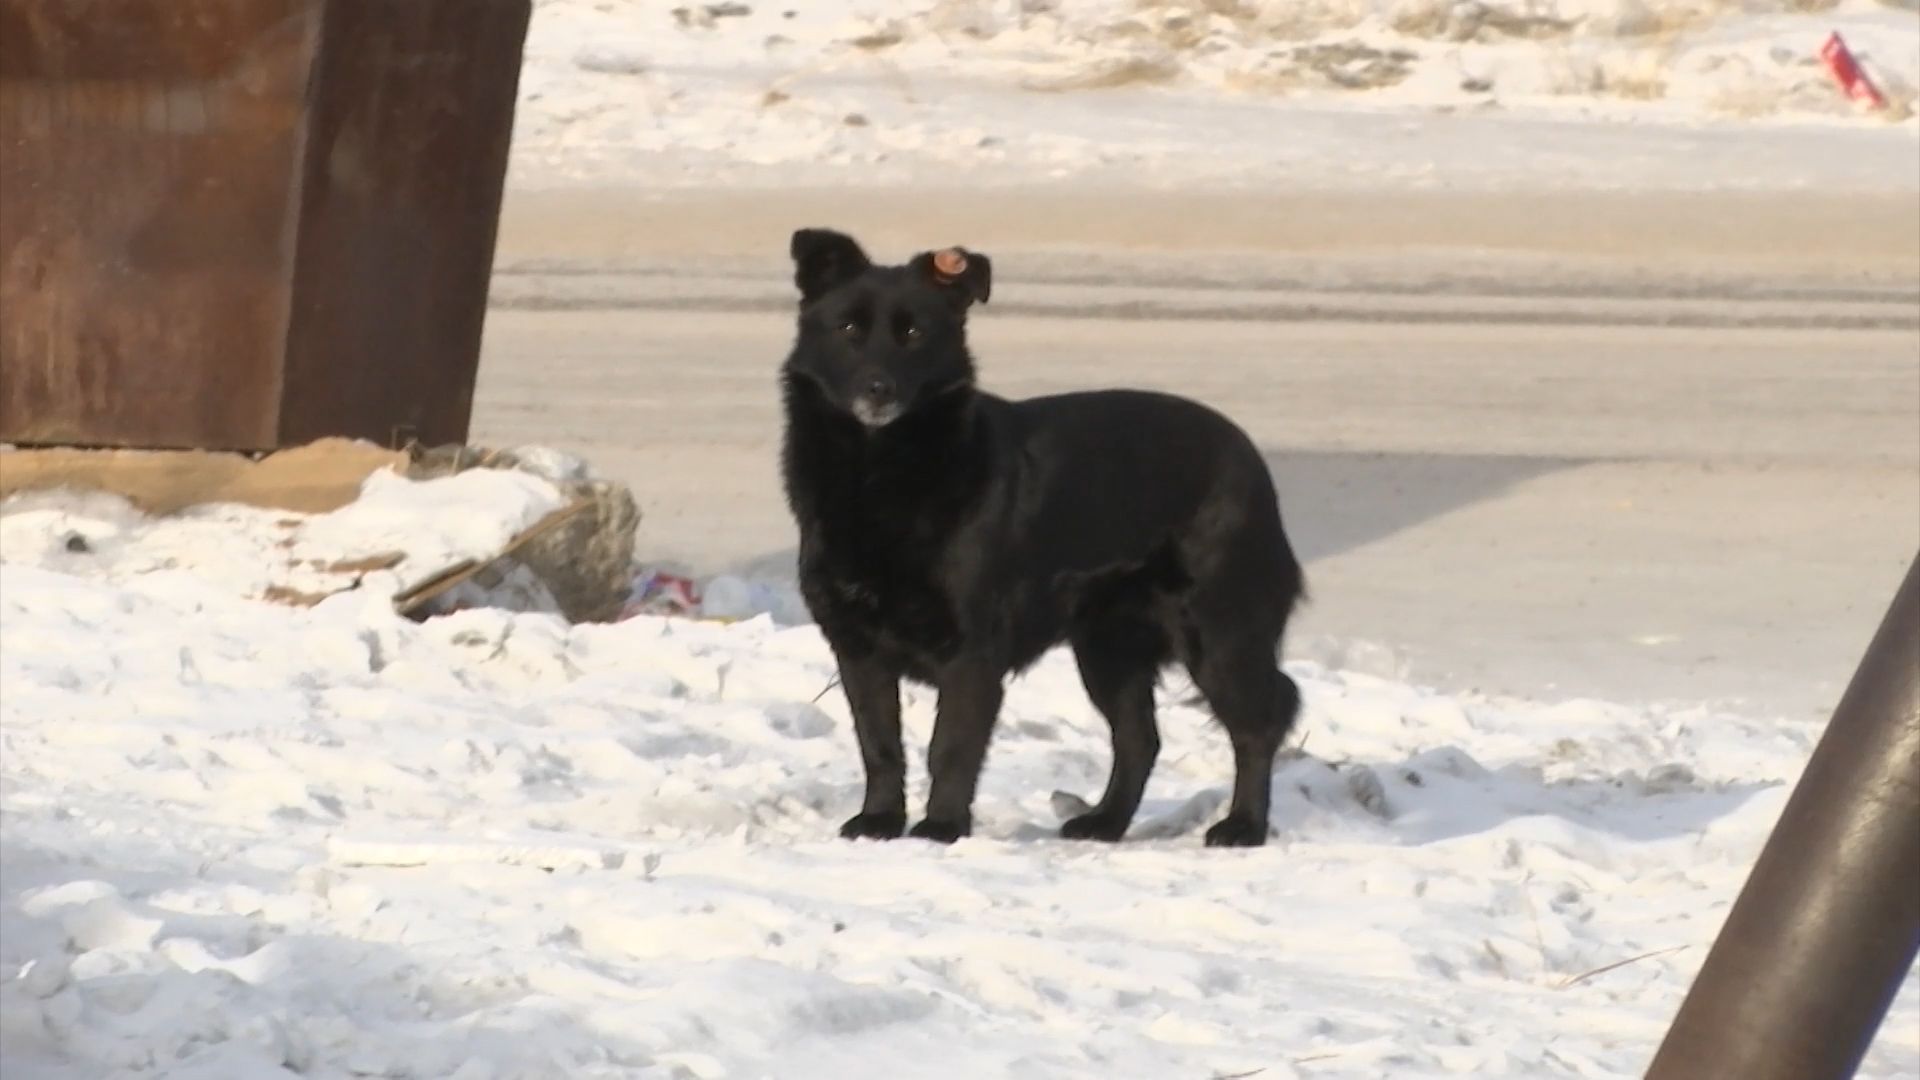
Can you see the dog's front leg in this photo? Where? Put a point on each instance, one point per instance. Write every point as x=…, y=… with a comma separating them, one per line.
x=873, y=696
x=962, y=725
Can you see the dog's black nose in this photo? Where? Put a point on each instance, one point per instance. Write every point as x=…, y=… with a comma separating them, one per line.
x=880, y=388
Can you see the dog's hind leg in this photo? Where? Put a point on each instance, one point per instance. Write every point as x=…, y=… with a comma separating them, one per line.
x=1118, y=662
x=1256, y=702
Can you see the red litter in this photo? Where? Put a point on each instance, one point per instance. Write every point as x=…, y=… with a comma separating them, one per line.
x=656, y=593
x=1847, y=72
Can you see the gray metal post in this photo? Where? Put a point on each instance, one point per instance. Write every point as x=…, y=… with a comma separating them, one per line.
x=1827, y=925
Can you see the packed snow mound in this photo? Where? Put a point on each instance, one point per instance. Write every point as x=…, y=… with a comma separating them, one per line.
x=241, y=839
x=1058, y=88
x=398, y=533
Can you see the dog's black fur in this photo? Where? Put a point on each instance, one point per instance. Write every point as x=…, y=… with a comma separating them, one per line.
x=951, y=537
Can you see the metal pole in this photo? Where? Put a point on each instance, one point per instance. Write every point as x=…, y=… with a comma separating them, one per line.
x=1827, y=925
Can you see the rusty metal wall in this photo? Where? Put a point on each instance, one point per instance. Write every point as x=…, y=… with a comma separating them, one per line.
x=245, y=224
x=146, y=198
x=402, y=193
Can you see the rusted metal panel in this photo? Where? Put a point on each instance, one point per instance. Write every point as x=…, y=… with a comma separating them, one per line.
x=247, y=223
x=401, y=203
x=145, y=198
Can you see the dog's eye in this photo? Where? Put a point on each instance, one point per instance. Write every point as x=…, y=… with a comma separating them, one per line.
x=849, y=329
x=911, y=333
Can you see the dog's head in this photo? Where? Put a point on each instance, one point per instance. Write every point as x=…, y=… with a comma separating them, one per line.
x=881, y=341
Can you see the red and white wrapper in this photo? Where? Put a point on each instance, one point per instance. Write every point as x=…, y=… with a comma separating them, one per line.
x=1848, y=73
x=655, y=593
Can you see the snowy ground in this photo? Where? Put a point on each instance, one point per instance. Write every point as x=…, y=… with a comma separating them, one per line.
x=1241, y=92
x=244, y=839
x=250, y=840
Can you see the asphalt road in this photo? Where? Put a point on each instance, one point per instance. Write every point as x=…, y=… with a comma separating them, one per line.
x=1548, y=472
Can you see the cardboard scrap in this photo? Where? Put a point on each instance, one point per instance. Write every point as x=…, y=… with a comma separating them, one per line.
x=311, y=479
x=413, y=602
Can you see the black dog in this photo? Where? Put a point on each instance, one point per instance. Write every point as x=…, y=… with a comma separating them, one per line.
x=951, y=537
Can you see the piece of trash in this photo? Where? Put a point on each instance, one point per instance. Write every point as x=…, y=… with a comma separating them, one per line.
x=729, y=599
x=416, y=601
x=658, y=593
x=724, y=598
x=1848, y=74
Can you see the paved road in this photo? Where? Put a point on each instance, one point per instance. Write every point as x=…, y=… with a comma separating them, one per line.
x=1602, y=500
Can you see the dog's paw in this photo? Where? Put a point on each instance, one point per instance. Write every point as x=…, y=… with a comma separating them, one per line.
x=944, y=832
x=1237, y=832
x=874, y=826
x=1109, y=828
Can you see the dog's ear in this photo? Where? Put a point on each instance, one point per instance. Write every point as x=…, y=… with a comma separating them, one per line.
x=823, y=259
x=967, y=276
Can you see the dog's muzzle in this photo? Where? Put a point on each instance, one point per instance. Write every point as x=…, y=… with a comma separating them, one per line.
x=878, y=403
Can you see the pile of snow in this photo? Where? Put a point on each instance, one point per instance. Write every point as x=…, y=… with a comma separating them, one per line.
x=246, y=839
x=397, y=534
x=992, y=90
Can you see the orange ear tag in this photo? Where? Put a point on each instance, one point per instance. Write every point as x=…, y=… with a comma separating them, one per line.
x=949, y=264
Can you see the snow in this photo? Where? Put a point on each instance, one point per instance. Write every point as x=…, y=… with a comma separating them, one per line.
x=1301, y=93
x=242, y=839
x=397, y=534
